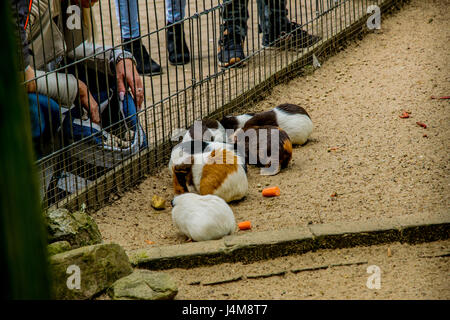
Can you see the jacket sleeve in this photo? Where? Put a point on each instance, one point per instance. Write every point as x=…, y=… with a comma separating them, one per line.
x=19, y=10
x=102, y=58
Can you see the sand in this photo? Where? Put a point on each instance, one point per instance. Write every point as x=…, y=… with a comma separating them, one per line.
x=374, y=163
x=406, y=272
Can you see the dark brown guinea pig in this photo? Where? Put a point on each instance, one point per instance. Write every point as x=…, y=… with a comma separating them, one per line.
x=266, y=146
x=291, y=118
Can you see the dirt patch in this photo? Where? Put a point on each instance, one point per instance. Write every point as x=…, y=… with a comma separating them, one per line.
x=363, y=160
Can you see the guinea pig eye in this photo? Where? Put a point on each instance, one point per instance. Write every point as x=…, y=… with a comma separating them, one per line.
x=171, y=202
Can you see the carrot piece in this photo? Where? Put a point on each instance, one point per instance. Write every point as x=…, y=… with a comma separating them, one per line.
x=149, y=242
x=271, y=192
x=423, y=125
x=444, y=97
x=244, y=225
x=404, y=115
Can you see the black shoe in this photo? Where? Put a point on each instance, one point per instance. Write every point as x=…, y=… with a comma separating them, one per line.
x=292, y=36
x=230, y=50
x=144, y=65
x=176, y=45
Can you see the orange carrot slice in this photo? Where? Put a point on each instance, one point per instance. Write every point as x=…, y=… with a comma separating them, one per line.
x=271, y=192
x=244, y=225
x=423, y=125
x=404, y=115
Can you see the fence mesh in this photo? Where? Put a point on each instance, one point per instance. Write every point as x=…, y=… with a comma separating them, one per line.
x=79, y=52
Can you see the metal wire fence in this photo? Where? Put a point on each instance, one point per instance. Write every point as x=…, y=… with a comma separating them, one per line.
x=234, y=52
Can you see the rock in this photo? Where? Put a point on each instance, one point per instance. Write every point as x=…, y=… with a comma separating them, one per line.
x=84, y=272
x=77, y=228
x=158, y=202
x=144, y=285
x=58, y=247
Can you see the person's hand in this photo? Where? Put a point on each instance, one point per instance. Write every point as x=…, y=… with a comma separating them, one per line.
x=30, y=74
x=132, y=78
x=88, y=102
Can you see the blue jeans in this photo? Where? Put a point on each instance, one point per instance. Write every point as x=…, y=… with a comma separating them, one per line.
x=44, y=113
x=74, y=132
x=175, y=10
x=127, y=13
x=45, y=120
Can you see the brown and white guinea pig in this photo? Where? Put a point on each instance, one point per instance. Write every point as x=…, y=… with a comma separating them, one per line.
x=202, y=218
x=289, y=117
x=219, y=172
x=266, y=146
x=236, y=122
x=184, y=150
x=207, y=130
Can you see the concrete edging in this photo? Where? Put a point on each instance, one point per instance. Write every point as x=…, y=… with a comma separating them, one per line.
x=254, y=246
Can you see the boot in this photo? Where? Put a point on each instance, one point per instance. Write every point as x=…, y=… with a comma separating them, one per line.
x=144, y=65
x=231, y=51
x=176, y=45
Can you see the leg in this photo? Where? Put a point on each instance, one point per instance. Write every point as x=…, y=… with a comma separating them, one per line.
x=176, y=40
x=233, y=32
x=278, y=30
x=127, y=16
x=127, y=13
x=45, y=121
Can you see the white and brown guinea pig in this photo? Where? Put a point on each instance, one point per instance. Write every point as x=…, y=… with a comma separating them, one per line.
x=270, y=148
x=206, y=129
x=202, y=218
x=236, y=122
x=184, y=150
x=219, y=172
x=290, y=117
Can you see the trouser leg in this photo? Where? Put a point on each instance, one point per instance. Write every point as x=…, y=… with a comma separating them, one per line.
x=234, y=19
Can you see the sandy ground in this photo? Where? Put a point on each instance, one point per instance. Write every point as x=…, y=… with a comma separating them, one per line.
x=405, y=271
x=410, y=272
x=378, y=164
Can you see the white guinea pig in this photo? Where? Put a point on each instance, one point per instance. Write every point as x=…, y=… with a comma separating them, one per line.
x=202, y=217
x=293, y=119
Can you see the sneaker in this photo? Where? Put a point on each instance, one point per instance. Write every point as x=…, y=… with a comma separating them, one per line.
x=144, y=65
x=230, y=50
x=176, y=45
x=293, y=36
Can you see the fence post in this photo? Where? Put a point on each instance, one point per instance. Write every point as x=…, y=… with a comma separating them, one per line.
x=23, y=253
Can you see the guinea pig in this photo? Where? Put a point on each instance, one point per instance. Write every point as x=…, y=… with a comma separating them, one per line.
x=202, y=218
x=219, y=172
x=268, y=147
x=236, y=122
x=289, y=117
x=184, y=150
x=206, y=129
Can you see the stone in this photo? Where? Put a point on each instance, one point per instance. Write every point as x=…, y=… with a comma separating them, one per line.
x=158, y=202
x=77, y=228
x=85, y=272
x=144, y=285
x=58, y=247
